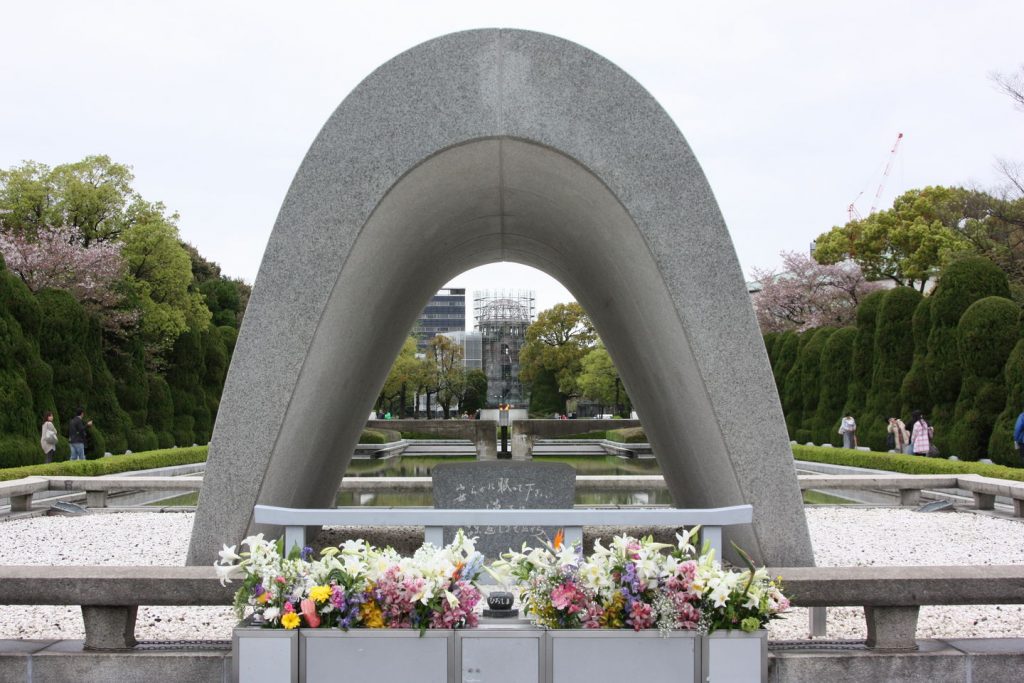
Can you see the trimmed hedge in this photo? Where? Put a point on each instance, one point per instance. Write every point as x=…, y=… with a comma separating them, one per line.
x=987, y=333
x=906, y=464
x=863, y=363
x=893, y=356
x=380, y=436
x=627, y=435
x=836, y=358
x=809, y=362
x=784, y=352
x=111, y=465
x=963, y=282
x=1001, y=447
x=914, y=392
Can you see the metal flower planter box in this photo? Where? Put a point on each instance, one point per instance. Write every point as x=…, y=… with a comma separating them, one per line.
x=735, y=656
x=497, y=655
x=585, y=656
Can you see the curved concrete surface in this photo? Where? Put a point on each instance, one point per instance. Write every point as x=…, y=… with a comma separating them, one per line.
x=484, y=146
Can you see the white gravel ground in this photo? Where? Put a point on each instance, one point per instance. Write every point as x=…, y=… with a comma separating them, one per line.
x=841, y=536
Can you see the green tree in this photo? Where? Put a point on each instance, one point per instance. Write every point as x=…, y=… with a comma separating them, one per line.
x=557, y=342
x=1001, y=447
x=836, y=362
x=986, y=334
x=863, y=362
x=406, y=374
x=892, y=357
x=914, y=389
x=475, y=397
x=786, y=348
x=792, y=396
x=545, y=399
x=94, y=195
x=962, y=283
x=810, y=381
x=450, y=371
x=599, y=381
x=908, y=243
x=160, y=280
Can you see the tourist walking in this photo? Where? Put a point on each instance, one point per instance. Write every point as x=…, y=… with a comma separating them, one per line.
x=1018, y=437
x=899, y=435
x=77, y=435
x=848, y=429
x=48, y=439
x=921, y=437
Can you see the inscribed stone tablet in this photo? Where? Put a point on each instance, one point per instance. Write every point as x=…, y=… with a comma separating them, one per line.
x=508, y=485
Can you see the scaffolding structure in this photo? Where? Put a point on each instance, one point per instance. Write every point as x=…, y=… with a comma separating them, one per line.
x=502, y=317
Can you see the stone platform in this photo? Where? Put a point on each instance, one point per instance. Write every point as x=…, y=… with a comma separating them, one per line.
x=991, y=660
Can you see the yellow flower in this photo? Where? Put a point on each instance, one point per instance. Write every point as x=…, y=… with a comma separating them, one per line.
x=264, y=598
x=371, y=614
x=291, y=620
x=319, y=593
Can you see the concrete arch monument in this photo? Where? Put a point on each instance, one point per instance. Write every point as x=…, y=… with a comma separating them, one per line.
x=483, y=146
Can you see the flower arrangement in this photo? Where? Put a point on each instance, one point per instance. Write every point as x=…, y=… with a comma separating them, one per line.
x=630, y=584
x=639, y=584
x=746, y=600
x=355, y=585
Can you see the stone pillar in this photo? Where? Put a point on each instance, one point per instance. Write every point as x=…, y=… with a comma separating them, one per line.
x=984, y=501
x=1018, y=507
x=485, y=439
x=109, y=628
x=892, y=628
x=21, y=503
x=910, y=497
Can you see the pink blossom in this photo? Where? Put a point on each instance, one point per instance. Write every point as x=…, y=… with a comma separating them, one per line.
x=308, y=608
x=641, y=616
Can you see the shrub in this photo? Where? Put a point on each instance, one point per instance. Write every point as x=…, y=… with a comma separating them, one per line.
x=906, y=464
x=962, y=283
x=111, y=465
x=893, y=356
x=372, y=436
x=862, y=364
x=627, y=435
x=160, y=410
x=809, y=362
x=914, y=390
x=1001, y=447
x=986, y=335
x=836, y=360
x=792, y=395
x=787, y=346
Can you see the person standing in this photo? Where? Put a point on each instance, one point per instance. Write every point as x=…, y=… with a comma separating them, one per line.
x=77, y=434
x=921, y=437
x=848, y=429
x=900, y=435
x=48, y=439
x=1018, y=437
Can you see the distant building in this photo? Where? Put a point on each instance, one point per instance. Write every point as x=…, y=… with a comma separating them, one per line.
x=501, y=319
x=445, y=312
x=472, y=358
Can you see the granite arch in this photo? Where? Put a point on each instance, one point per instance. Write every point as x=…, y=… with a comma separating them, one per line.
x=476, y=147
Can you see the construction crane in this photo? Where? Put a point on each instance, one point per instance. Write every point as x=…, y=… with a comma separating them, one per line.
x=851, y=210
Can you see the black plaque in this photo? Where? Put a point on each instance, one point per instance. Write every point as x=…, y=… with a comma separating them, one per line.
x=503, y=486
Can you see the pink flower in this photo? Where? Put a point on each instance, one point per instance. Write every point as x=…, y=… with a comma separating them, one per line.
x=309, y=612
x=641, y=616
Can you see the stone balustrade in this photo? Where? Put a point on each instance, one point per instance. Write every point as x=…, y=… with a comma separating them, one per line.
x=110, y=596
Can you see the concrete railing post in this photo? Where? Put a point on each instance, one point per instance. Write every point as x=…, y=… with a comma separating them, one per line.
x=892, y=628
x=984, y=501
x=1018, y=507
x=21, y=503
x=910, y=497
x=817, y=621
x=109, y=628
x=521, y=446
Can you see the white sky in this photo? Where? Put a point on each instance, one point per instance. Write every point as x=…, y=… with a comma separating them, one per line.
x=791, y=107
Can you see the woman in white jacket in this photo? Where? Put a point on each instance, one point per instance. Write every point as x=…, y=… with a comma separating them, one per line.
x=48, y=440
x=848, y=428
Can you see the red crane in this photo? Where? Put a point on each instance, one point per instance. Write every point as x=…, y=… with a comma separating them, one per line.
x=851, y=210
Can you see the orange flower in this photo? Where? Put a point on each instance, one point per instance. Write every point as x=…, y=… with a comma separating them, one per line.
x=559, y=539
x=458, y=570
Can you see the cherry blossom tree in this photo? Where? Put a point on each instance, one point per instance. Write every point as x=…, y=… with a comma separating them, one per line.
x=807, y=294
x=56, y=258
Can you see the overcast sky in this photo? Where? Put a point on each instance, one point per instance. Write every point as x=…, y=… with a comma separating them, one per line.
x=790, y=107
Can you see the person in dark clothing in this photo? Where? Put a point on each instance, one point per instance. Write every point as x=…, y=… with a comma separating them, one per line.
x=77, y=434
